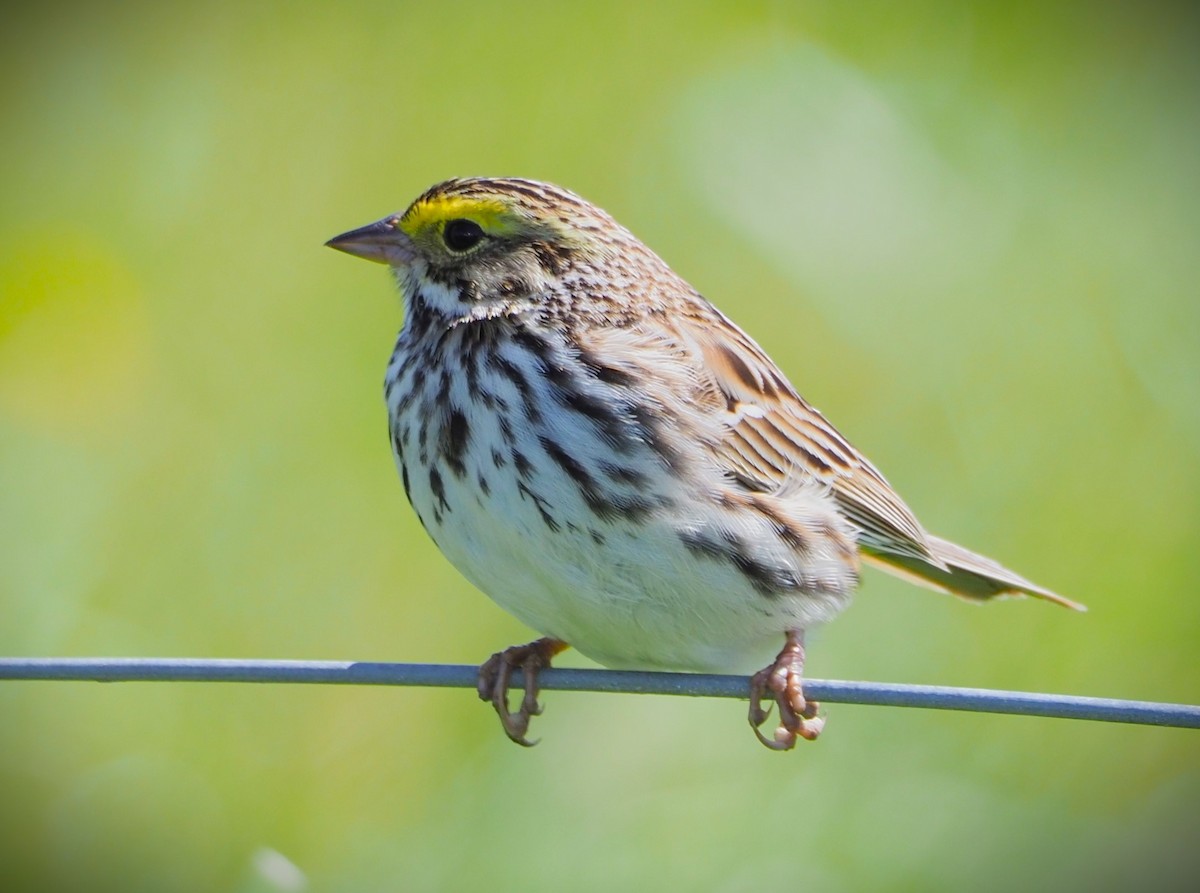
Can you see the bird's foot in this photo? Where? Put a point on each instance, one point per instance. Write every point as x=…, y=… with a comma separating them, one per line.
x=496, y=673
x=781, y=682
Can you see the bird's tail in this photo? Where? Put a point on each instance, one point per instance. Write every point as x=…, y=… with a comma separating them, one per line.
x=962, y=573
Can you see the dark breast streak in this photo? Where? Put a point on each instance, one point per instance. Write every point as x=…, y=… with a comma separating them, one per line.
x=558, y=414
x=535, y=414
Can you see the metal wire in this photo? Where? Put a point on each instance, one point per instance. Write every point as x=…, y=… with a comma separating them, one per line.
x=145, y=669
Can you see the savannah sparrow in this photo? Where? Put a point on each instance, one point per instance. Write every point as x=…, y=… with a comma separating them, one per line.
x=613, y=461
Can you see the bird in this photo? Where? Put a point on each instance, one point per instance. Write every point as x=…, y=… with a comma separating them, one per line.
x=613, y=461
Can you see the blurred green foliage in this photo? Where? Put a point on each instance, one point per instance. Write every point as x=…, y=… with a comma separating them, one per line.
x=967, y=231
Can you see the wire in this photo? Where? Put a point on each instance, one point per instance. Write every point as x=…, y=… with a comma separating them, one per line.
x=145, y=669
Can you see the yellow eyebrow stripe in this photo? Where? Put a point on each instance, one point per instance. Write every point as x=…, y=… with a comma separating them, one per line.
x=433, y=214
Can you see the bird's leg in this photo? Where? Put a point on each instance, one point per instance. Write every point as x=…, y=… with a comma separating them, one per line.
x=496, y=672
x=781, y=681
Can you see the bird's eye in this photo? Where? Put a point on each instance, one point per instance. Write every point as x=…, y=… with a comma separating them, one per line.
x=462, y=234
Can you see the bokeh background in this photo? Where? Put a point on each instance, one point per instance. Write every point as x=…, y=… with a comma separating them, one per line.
x=967, y=231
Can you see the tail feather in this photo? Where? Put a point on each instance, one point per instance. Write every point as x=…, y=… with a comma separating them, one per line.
x=963, y=573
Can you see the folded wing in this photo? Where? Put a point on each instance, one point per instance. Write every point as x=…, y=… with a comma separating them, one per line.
x=772, y=437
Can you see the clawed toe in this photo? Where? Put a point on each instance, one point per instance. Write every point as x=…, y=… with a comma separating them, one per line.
x=495, y=677
x=781, y=683
x=778, y=684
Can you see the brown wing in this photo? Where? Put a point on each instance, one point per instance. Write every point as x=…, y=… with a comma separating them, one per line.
x=773, y=435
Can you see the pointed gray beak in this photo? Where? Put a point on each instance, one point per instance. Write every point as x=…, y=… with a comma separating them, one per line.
x=383, y=242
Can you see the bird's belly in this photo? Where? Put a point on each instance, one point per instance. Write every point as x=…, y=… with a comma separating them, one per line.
x=624, y=602
x=627, y=593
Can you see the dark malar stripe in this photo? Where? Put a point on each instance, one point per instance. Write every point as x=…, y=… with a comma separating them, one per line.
x=420, y=317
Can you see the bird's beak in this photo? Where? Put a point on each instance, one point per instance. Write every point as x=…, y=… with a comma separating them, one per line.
x=383, y=242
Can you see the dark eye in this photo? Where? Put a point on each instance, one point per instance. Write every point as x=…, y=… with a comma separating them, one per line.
x=462, y=234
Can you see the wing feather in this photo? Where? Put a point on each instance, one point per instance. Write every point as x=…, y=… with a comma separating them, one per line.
x=775, y=434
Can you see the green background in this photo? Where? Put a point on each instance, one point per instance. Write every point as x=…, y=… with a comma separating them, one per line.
x=967, y=232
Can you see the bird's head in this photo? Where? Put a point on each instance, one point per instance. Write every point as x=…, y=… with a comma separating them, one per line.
x=480, y=246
